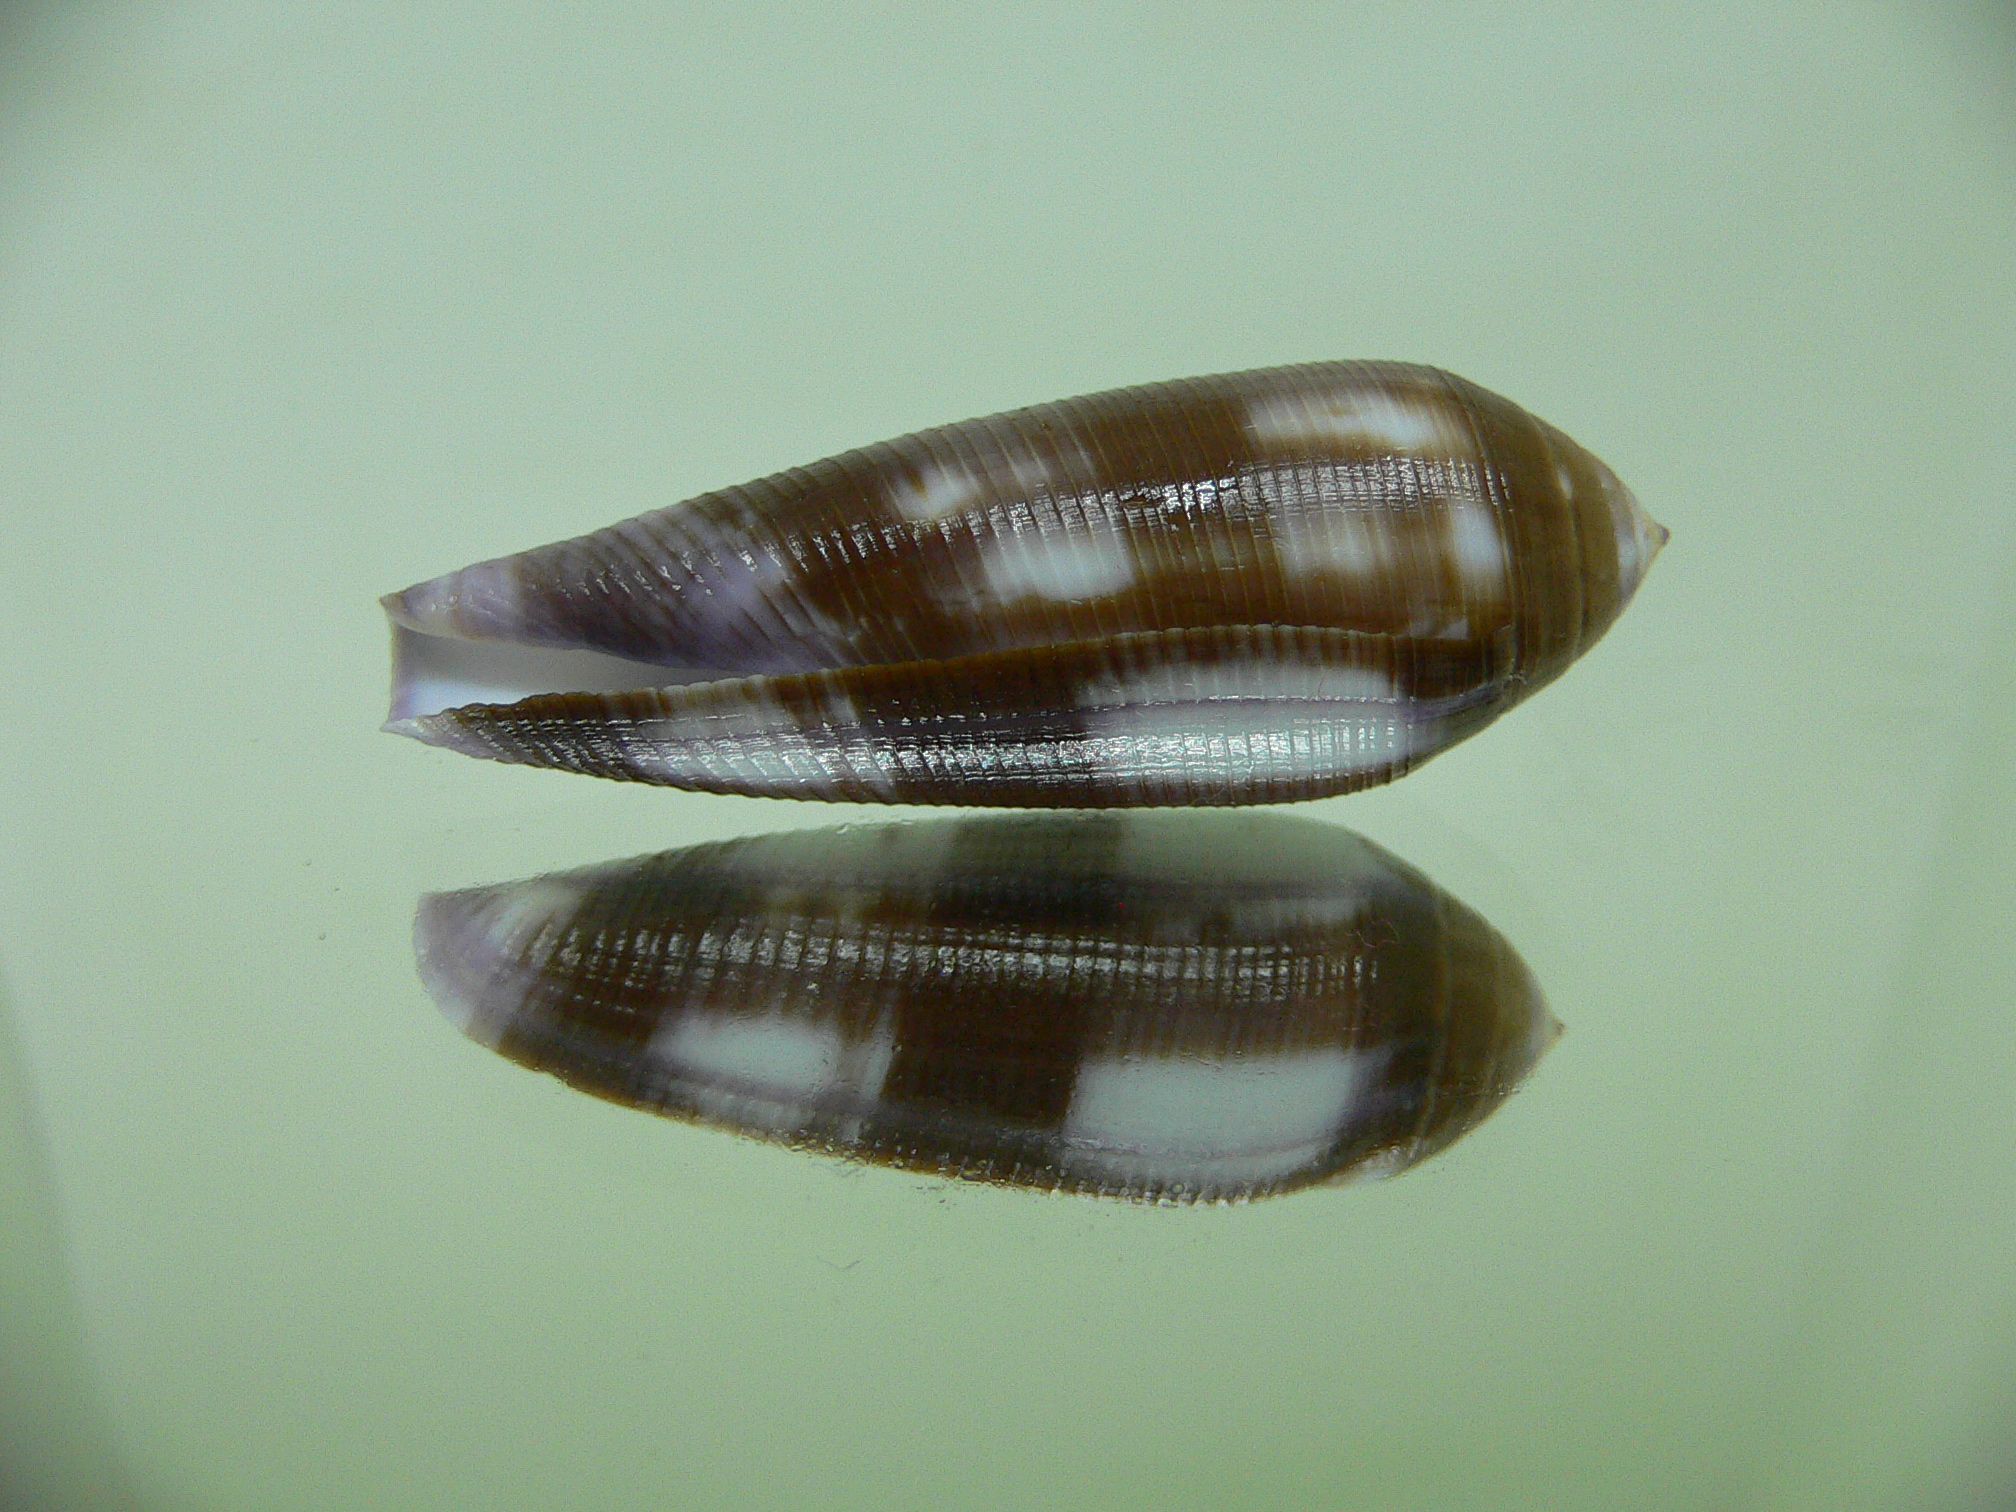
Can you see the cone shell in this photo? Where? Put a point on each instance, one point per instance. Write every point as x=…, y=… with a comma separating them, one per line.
x=1266, y=586
x=1168, y=1007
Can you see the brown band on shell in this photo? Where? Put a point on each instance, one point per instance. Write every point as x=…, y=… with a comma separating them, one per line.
x=1178, y=1008
x=993, y=576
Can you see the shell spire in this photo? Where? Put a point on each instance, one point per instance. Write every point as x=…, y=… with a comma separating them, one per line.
x=1252, y=588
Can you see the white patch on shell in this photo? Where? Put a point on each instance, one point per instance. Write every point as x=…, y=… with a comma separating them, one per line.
x=526, y=909
x=1331, y=517
x=1359, y=416
x=1307, y=543
x=1150, y=1121
x=508, y=938
x=1268, y=918
x=1029, y=469
x=758, y=739
x=1639, y=536
x=864, y=1068
x=758, y=591
x=767, y=1071
x=1243, y=721
x=1025, y=557
x=1475, y=544
x=935, y=493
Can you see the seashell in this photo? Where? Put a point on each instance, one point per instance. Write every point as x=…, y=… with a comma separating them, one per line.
x=1262, y=587
x=1170, y=1007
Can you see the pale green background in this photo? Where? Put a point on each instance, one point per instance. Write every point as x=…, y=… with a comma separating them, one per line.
x=299, y=305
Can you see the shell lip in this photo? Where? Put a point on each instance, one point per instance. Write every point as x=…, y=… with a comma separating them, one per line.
x=1086, y=723
x=394, y=605
x=440, y=682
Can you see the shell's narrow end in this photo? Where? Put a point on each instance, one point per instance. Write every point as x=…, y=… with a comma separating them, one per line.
x=442, y=729
x=482, y=952
x=1547, y=1032
x=1527, y=1004
x=479, y=602
x=1505, y=992
x=420, y=727
x=443, y=936
x=1640, y=538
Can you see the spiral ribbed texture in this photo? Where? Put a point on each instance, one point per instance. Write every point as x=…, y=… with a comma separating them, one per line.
x=1420, y=521
x=1167, y=1007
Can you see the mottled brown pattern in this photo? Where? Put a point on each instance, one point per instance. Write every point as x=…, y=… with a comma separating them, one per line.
x=1401, y=504
x=977, y=968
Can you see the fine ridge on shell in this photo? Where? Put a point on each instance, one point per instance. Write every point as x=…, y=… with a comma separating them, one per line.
x=1164, y=1007
x=1253, y=588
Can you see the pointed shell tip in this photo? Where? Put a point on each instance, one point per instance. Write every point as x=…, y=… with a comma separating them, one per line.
x=394, y=605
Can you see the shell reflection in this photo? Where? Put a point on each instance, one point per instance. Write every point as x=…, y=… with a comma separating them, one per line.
x=1252, y=588
x=1174, y=1007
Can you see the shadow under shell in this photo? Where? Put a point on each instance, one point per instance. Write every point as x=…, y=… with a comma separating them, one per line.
x=1175, y=1007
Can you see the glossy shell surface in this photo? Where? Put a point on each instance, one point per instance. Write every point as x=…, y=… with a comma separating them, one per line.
x=1166, y=1007
x=1260, y=587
